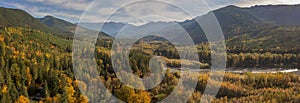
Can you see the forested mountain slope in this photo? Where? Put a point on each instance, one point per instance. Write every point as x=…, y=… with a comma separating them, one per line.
x=32, y=63
x=19, y=18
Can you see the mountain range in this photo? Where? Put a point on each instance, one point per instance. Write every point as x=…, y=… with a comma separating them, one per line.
x=234, y=21
x=49, y=24
x=265, y=24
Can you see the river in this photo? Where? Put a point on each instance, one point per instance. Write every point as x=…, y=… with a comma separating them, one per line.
x=251, y=70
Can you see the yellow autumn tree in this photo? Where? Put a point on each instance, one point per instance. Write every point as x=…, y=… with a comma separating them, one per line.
x=23, y=99
x=83, y=99
x=125, y=93
x=4, y=89
x=141, y=97
x=70, y=90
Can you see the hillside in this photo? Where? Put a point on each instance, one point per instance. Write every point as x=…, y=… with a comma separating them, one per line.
x=251, y=28
x=20, y=18
x=31, y=61
x=285, y=15
x=65, y=27
x=268, y=38
x=58, y=24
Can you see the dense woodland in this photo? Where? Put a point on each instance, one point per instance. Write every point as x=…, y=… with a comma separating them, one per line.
x=37, y=67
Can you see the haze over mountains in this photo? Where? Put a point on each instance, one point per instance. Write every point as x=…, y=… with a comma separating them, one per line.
x=257, y=22
x=285, y=15
x=238, y=24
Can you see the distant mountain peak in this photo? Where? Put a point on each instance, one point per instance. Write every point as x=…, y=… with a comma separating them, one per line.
x=48, y=16
x=232, y=6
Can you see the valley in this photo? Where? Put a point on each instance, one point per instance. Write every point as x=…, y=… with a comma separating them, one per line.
x=263, y=58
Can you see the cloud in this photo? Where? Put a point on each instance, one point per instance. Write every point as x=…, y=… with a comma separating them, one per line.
x=65, y=4
x=136, y=12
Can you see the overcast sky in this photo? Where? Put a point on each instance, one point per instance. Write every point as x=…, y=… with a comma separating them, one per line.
x=129, y=10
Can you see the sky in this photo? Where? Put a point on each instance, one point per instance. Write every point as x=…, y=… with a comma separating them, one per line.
x=131, y=11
